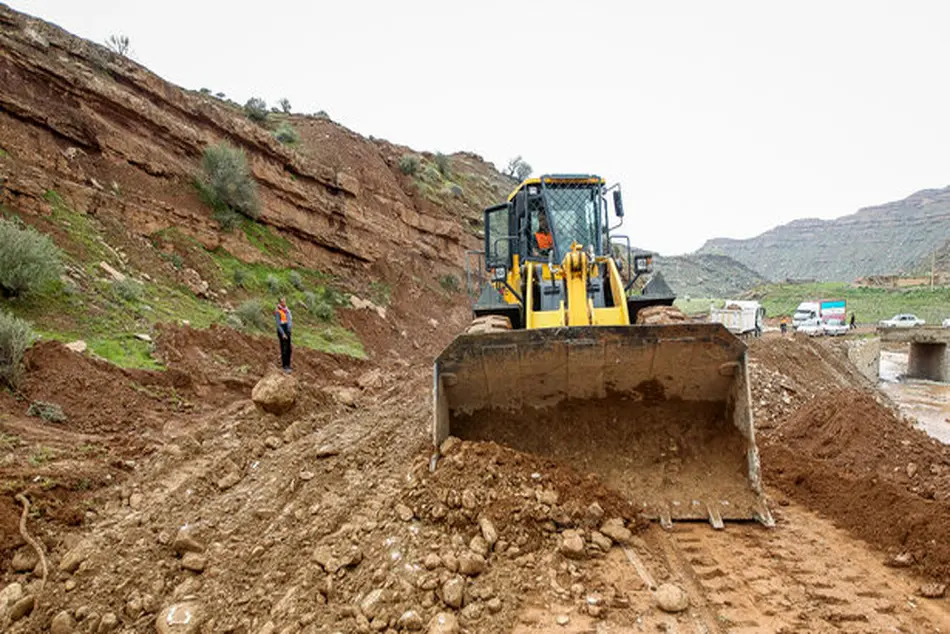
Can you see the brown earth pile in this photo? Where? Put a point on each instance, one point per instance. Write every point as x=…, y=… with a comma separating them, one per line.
x=854, y=460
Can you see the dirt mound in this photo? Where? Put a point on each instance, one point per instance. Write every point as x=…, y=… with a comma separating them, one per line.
x=787, y=372
x=854, y=460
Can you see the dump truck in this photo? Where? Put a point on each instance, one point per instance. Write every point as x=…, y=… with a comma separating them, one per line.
x=740, y=317
x=555, y=364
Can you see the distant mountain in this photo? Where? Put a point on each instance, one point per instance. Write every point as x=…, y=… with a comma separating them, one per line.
x=886, y=239
x=702, y=275
x=707, y=275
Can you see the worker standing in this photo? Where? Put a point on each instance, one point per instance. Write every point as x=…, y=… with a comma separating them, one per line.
x=285, y=323
x=852, y=322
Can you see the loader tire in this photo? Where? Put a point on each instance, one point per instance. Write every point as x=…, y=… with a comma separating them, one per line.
x=488, y=323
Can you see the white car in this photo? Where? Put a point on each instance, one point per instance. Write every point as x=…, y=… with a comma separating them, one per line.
x=904, y=320
x=811, y=327
x=835, y=327
x=946, y=323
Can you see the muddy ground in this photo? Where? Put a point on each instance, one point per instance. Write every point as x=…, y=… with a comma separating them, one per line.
x=170, y=494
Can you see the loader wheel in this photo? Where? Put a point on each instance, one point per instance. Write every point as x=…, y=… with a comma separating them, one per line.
x=488, y=323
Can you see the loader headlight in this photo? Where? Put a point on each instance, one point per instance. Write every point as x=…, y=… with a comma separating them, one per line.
x=499, y=274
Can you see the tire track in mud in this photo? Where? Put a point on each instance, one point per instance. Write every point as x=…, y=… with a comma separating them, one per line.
x=803, y=576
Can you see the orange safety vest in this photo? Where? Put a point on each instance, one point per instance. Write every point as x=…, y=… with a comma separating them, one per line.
x=282, y=314
x=545, y=241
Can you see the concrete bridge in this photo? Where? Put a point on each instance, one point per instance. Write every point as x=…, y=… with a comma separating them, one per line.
x=929, y=354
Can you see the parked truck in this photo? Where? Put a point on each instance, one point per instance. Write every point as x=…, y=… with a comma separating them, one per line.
x=812, y=315
x=739, y=317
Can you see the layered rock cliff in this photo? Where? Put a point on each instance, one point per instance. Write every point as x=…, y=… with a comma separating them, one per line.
x=113, y=138
x=886, y=239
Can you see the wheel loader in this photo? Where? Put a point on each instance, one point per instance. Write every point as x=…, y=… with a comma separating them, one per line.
x=556, y=364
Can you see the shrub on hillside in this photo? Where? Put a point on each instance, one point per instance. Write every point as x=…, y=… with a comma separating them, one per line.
x=50, y=412
x=449, y=283
x=226, y=184
x=319, y=305
x=240, y=277
x=28, y=259
x=15, y=337
x=256, y=109
x=273, y=284
x=251, y=314
x=409, y=164
x=444, y=164
x=127, y=289
x=295, y=280
x=285, y=133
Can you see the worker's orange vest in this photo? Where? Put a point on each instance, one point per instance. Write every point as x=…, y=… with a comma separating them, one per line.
x=282, y=315
x=545, y=241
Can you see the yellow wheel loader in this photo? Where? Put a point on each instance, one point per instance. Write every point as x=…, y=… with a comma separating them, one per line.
x=555, y=363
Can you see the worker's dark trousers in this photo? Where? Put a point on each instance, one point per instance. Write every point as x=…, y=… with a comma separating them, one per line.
x=285, y=350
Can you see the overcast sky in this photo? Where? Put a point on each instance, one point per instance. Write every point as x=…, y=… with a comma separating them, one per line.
x=719, y=118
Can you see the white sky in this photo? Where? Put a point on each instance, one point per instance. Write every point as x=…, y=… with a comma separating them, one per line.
x=719, y=118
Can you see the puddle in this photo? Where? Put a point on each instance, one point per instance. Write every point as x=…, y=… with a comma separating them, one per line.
x=927, y=401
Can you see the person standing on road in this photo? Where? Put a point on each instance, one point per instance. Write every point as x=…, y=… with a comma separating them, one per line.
x=852, y=322
x=285, y=323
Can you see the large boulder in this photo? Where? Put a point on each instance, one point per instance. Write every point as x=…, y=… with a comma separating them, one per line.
x=275, y=393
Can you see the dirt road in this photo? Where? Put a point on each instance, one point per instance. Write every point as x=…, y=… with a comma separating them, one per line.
x=328, y=520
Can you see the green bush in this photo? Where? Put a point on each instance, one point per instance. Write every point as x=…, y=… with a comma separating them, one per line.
x=15, y=337
x=127, y=289
x=28, y=259
x=409, y=164
x=252, y=315
x=273, y=284
x=50, y=412
x=287, y=134
x=319, y=305
x=240, y=277
x=256, y=109
x=449, y=283
x=226, y=184
x=444, y=164
x=295, y=280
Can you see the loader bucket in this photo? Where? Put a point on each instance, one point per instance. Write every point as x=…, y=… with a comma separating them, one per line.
x=662, y=413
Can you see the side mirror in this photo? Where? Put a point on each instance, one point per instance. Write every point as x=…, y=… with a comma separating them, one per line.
x=618, y=203
x=643, y=264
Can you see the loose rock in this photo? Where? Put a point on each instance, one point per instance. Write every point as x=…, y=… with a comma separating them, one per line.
x=78, y=554
x=444, y=623
x=933, y=590
x=275, y=393
x=572, y=545
x=194, y=562
x=548, y=497
x=186, y=543
x=479, y=546
x=472, y=564
x=453, y=592
x=25, y=559
x=615, y=530
x=432, y=561
x=671, y=598
x=62, y=623
x=180, y=618
x=404, y=513
x=410, y=621
x=489, y=532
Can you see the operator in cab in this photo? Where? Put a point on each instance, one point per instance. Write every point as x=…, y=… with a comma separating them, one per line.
x=543, y=238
